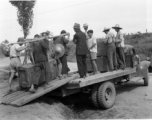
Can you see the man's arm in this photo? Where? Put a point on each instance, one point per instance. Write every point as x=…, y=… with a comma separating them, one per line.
x=75, y=39
x=94, y=44
x=106, y=39
x=66, y=40
x=20, y=48
x=119, y=38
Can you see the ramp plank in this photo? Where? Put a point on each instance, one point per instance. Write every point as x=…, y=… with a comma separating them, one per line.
x=42, y=90
x=11, y=95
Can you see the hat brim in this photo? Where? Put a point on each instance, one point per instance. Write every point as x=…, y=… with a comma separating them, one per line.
x=116, y=27
x=76, y=27
x=106, y=30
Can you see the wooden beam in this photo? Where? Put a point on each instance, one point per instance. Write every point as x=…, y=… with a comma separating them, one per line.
x=32, y=40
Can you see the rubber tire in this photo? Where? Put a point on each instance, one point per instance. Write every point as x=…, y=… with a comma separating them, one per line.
x=101, y=95
x=94, y=94
x=146, y=80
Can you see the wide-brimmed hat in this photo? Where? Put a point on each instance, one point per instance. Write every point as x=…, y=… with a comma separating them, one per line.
x=76, y=25
x=85, y=25
x=106, y=29
x=117, y=26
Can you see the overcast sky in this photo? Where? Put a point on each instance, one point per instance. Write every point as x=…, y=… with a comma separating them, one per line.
x=56, y=15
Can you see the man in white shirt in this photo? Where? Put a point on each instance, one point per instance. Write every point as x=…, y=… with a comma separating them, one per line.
x=15, y=61
x=92, y=46
x=120, y=47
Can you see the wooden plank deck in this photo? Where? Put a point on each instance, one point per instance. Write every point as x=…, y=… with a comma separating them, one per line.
x=78, y=83
x=20, y=98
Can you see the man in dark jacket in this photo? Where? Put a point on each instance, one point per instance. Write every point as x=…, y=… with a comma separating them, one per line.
x=41, y=61
x=63, y=41
x=81, y=50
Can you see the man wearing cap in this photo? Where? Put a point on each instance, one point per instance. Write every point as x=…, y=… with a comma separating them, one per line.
x=63, y=41
x=41, y=60
x=92, y=46
x=120, y=47
x=111, y=49
x=85, y=26
x=81, y=50
x=15, y=61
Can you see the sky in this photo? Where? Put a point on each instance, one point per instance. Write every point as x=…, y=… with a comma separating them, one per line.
x=57, y=15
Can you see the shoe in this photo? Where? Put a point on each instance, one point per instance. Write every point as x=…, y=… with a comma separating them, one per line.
x=116, y=68
x=68, y=75
x=64, y=76
x=97, y=72
x=60, y=77
x=122, y=68
x=87, y=75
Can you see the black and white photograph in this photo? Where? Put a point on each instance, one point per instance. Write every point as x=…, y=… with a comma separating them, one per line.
x=75, y=59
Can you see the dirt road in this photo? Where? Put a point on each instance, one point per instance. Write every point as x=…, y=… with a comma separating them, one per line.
x=133, y=101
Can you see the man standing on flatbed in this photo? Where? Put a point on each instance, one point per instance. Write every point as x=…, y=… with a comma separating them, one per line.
x=81, y=50
x=92, y=47
x=15, y=61
x=120, y=47
x=41, y=61
x=63, y=41
x=111, y=49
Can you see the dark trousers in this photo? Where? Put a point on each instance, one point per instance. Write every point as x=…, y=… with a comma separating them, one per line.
x=42, y=73
x=64, y=63
x=120, y=57
x=82, y=67
x=112, y=59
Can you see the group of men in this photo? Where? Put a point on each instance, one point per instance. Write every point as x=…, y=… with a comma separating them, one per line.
x=85, y=43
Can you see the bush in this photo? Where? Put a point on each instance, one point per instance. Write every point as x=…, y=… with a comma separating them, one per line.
x=142, y=43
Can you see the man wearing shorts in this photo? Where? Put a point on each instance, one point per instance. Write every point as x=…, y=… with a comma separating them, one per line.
x=92, y=46
x=15, y=61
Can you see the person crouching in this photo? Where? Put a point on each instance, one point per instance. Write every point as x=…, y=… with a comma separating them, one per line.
x=15, y=61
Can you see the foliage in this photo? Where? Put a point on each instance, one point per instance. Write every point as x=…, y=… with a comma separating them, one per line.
x=25, y=14
x=142, y=43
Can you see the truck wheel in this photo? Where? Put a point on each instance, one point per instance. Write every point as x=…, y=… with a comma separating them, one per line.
x=106, y=95
x=94, y=96
x=146, y=80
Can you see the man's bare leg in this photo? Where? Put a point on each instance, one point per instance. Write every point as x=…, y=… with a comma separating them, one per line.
x=32, y=89
x=10, y=80
x=95, y=67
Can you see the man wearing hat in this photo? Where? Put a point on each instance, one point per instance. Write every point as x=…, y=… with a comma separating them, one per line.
x=81, y=50
x=120, y=47
x=111, y=49
x=85, y=26
x=15, y=61
x=63, y=41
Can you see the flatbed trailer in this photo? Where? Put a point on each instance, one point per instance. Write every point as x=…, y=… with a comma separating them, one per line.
x=100, y=86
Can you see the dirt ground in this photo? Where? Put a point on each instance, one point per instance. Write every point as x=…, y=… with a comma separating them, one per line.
x=133, y=101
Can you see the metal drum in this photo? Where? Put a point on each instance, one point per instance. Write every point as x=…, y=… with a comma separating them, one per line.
x=59, y=50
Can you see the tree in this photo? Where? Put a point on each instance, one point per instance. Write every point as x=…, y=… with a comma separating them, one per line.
x=25, y=14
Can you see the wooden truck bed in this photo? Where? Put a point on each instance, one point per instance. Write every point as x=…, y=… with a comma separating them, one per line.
x=79, y=83
x=20, y=98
